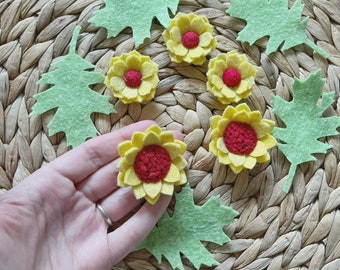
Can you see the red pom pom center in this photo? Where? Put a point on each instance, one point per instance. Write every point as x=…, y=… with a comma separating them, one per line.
x=240, y=138
x=190, y=39
x=232, y=77
x=133, y=78
x=152, y=163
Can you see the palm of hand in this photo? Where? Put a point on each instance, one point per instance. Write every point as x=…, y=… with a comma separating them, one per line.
x=51, y=219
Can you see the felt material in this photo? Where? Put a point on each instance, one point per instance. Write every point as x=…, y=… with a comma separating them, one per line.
x=71, y=95
x=303, y=122
x=273, y=18
x=184, y=231
x=117, y=15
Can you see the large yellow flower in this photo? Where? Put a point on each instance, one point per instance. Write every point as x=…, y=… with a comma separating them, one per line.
x=189, y=38
x=240, y=137
x=230, y=77
x=132, y=77
x=152, y=163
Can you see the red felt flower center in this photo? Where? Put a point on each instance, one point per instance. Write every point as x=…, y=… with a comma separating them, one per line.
x=240, y=138
x=133, y=78
x=190, y=39
x=152, y=163
x=232, y=77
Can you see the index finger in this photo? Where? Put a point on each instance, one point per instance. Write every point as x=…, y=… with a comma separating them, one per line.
x=85, y=159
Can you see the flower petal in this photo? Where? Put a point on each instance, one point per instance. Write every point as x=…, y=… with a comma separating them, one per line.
x=167, y=189
x=237, y=160
x=123, y=147
x=241, y=116
x=183, y=23
x=228, y=92
x=167, y=136
x=250, y=162
x=196, y=52
x=151, y=138
x=175, y=34
x=152, y=189
x=221, y=145
x=118, y=67
x=180, y=162
x=183, y=179
x=242, y=87
x=120, y=180
x=205, y=39
x=173, y=175
x=217, y=81
x=144, y=88
x=139, y=191
x=269, y=141
x=131, y=154
x=259, y=150
x=130, y=93
x=133, y=61
x=246, y=69
x=117, y=83
x=261, y=128
x=173, y=149
x=180, y=50
x=131, y=178
x=152, y=200
x=148, y=69
x=137, y=139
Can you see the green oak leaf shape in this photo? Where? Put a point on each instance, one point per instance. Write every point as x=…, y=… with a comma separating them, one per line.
x=71, y=95
x=117, y=15
x=303, y=122
x=184, y=231
x=273, y=18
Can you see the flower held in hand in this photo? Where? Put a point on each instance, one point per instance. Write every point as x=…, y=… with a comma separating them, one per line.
x=152, y=163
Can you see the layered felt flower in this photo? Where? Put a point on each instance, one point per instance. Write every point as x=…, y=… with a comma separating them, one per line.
x=230, y=77
x=132, y=77
x=152, y=163
x=189, y=38
x=240, y=137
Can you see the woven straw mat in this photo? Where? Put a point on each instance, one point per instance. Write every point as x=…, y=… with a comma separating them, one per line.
x=274, y=230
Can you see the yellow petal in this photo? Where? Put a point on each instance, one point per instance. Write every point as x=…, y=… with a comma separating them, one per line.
x=242, y=87
x=137, y=139
x=237, y=160
x=144, y=88
x=152, y=189
x=148, y=69
x=131, y=178
x=154, y=128
x=213, y=148
x=236, y=169
x=229, y=112
x=269, y=141
x=131, y=154
x=175, y=34
x=205, y=39
x=173, y=149
x=180, y=50
x=123, y=165
x=228, y=92
x=173, y=175
x=152, y=200
x=183, y=179
x=261, y=128
x=224, y=158
x=120, y=180
x=259, y=150
x=222, y=124
x=167, y=189
x=139, y=191
x=214, y=120
x=243, y=106
x=246, y=69
x=182, y=146
x=221, y=145
x=250, y=162
x=263, y=158
x=123, y=147
x=255, y=116
x=241, y=116
x=133, y=62
x=167, y=136
x=217, y=81
x=130, y=93
x=151, y=138
x=117, y=83
x=118, y=68
x=183, y=23
x=196, y=52
x=180, y=162
x=233, y=61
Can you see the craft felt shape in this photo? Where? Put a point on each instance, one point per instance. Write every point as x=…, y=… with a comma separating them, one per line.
x=117, y=15
x=72, y=97
x=303, y=122
x=184, y=231
x=273, y=18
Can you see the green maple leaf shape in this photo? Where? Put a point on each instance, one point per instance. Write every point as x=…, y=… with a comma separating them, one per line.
x=71, y=95
x=304, y=125
x=117, y=15
x=184, y=231
x=273, y=18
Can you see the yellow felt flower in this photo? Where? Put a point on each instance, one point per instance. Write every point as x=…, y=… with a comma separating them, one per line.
x=240, y=137
x=132, y=77
x=152, y=163
x=189, y=38
x=230, y=77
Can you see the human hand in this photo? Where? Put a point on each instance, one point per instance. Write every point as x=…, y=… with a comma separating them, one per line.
x=50, y=220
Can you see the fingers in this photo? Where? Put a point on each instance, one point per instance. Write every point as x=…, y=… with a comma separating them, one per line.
x=82, y=161
x=124, y=239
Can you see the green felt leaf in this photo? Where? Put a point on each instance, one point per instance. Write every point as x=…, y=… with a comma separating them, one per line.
x=117, y=15
x=71, y=95
x=184, y=231
x=273, y=18
x=303, y=121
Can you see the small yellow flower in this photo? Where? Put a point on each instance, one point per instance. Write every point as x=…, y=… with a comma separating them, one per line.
x=132, y=77
x=152, y=163
x=240, y=137
x=230, y=77
x=189, y=38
